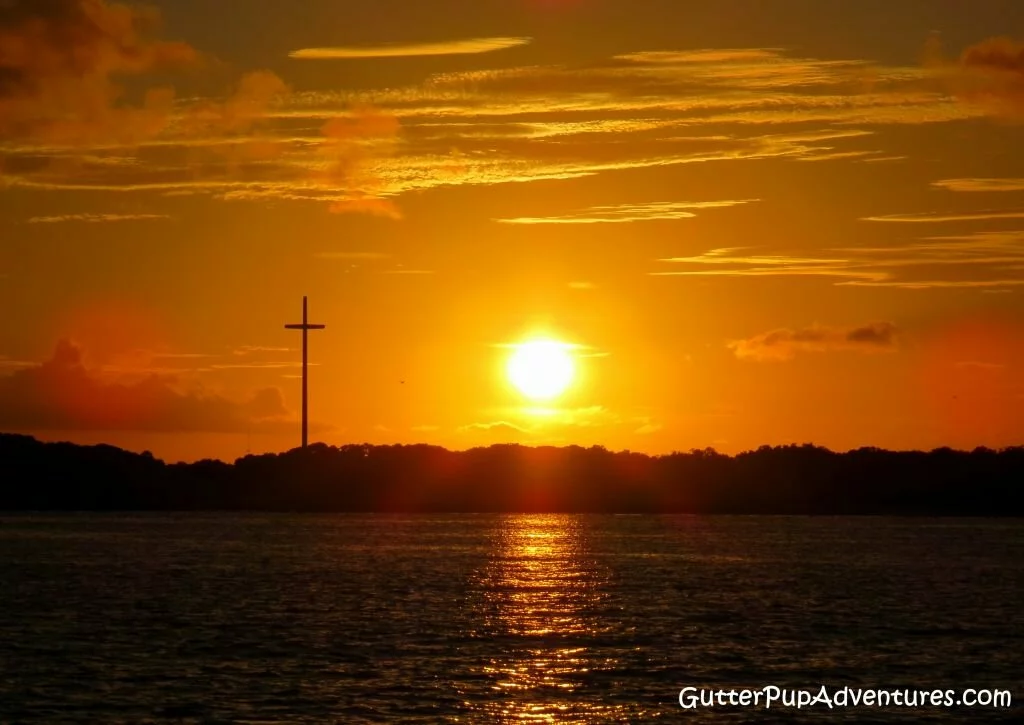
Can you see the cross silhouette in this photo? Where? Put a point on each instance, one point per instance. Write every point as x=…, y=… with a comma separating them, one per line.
x=305, y=326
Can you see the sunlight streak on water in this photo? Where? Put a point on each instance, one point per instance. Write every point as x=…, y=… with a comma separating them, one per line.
x=204, y=618
x=542, y=590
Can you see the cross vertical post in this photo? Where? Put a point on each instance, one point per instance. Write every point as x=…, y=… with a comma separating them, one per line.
x=305, y=326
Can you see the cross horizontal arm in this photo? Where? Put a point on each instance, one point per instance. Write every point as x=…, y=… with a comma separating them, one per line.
x=300, y=326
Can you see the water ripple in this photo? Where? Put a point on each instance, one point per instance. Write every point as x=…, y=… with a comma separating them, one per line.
x=556, y=618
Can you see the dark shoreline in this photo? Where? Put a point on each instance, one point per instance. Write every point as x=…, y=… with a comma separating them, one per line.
x=781, y=480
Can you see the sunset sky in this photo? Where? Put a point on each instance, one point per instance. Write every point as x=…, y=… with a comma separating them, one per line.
x=745, y=222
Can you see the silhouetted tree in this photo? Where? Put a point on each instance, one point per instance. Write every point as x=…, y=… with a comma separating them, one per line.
x=792, y=479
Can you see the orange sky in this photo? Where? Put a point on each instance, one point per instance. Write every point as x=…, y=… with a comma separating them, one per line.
x=754, y=223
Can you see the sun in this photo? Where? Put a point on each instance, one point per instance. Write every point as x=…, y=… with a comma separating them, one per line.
x=541, y=369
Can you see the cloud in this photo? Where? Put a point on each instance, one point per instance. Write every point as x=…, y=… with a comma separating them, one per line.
x=248, y=105
x=545, y=418
x=587, y=416
x=6, y=362
x=61, y=394
x=656, y=75
x=839, y=156
x=938, y=283
x=452, y=47
x=783, y=344
x=352, y=145
x=368, y=204
x=365, y=171
x=364, y=256
x=78, y=111
x=182, y=355
x=648, y=426
x=775, y=89
x=979, y=365
x=94, y=218
x=938, y=217
x=980, y=184
x=512, y=125
x=582, y=285
x=258, y=365
x=424, y=428
x=988, y=74
x=981, y=259
x=992, y=247
x=506, y=126
x=249, y=349
x=63, y=65
x=60, y=63
x=725, y=262
x=498, y=426
x=628, y=212
x=706, y=55
x=549, y=423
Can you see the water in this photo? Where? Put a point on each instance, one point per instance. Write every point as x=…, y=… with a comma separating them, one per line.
x=157, y=618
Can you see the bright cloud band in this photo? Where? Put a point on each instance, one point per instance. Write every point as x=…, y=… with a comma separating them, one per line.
x=453, y=47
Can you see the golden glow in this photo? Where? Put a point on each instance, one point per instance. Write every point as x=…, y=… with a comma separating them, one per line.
x=538, y=593
x=567, y=244
x=541, y=369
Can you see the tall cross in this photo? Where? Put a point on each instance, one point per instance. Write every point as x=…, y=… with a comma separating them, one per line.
x=305, y=327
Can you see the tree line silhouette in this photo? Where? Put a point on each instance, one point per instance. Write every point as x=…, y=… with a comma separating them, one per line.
x=792, y=479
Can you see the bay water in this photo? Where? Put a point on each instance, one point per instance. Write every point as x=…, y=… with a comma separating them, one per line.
x=256, y=618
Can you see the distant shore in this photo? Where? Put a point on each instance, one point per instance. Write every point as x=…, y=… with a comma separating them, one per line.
x=795, y=479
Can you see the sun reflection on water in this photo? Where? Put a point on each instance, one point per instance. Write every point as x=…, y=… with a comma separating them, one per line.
x=540, y=609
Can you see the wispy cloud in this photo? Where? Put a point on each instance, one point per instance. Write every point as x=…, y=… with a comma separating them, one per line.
x=647, y=426
x=981, y=259
x=94, y=218
x=398, y=50
x=359, y=150
x=628, y=212
x=979, y=365
x=777, y=90
x=250, y=349
x=839, y=156
x=66, y=122
x=544, y=420
x=181, y=355
x=497, y=426
x=6, y=362
x=714, y=56
x=784, y=343
x=257, y=365
x=361, y=256
x=586, y=416
x=984, y=246
x=980, y=184
x=939, y=217
x=938, y=283
x=727, y=262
